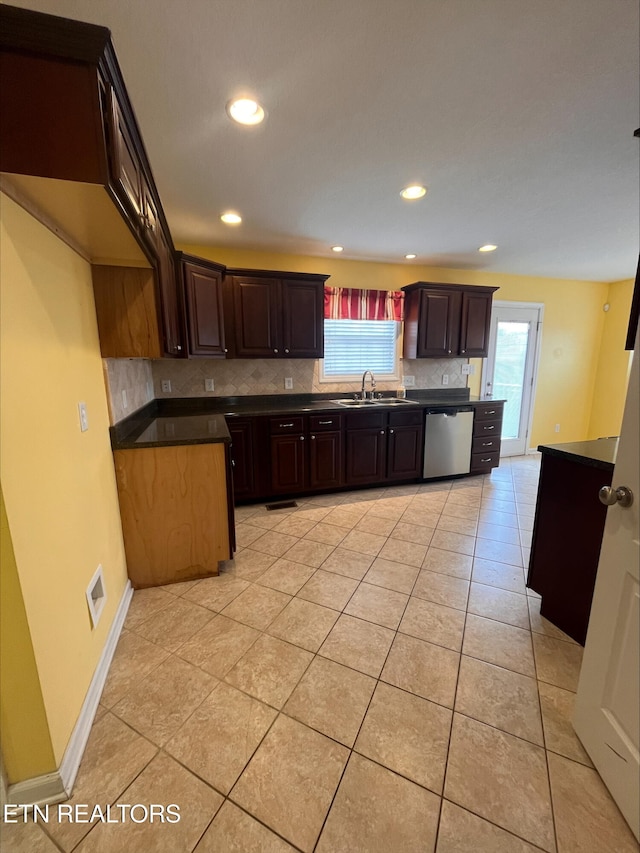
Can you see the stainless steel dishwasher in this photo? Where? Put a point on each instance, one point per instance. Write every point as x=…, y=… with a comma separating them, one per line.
x=447, y=441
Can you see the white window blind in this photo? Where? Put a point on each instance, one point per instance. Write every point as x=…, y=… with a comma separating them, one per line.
x=353, y=346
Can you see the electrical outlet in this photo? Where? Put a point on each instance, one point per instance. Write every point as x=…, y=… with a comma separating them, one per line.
x=84, y=419
x=445, y=378
x=209, y=385
x=557, y=427
x=125, y=402
x=288, y=384
x=466, y=369
x=409, y=381
x=166, y=386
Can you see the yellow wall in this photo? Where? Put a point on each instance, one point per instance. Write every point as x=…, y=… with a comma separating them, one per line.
x=614, y=364
x=19, y=683
x=573, y=324
x=58, y=483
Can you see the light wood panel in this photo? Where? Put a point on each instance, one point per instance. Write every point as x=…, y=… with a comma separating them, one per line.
x=173, y=504
x=127, y=312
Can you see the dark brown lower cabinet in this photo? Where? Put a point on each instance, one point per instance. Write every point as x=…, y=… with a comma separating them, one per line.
x=325, y=460
x=404, y=452
x=366, y=453
x=242, y=459
x=288, y=463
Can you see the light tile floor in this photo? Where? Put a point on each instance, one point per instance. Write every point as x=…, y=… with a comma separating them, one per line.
x=369, y=674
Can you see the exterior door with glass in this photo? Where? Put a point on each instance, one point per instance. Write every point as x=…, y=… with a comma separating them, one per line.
x=509, y=371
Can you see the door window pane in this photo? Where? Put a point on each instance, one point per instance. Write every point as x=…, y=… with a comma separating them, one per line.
x=511, y=357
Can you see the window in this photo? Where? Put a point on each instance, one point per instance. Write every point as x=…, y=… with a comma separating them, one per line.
x=353, y=346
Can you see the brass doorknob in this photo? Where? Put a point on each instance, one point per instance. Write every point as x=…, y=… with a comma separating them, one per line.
x=610, y=496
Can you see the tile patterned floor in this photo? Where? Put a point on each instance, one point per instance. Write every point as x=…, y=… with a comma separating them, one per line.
x=369, y=674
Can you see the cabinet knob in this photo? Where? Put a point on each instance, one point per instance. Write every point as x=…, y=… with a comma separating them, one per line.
x=390, y=432
x=463, y=351
x=286, y=350
x=313, y=438
x=226, y=350
x=275, y=350
x=381, y=432
x=301, y=438
x=449, y=351
x=178, y=347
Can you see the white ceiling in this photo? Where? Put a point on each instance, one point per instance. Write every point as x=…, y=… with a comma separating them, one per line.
x=517, y=115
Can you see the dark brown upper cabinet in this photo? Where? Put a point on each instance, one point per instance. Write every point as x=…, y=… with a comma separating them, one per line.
x=446, y=321
x=67, y=116
x=274, y=314
x=202, y=282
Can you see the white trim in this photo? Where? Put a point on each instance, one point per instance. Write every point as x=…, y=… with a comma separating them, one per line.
x=55, y=787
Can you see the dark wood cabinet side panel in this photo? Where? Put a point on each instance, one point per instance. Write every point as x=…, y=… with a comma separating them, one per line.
x=203, y=294
x=242, y=458
x=404, y=454
x=326, y=460
x=51, y=121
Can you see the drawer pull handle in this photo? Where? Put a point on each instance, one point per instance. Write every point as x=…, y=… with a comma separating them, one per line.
x=489, y=427
x=325, y=423
x=282, y=426
x=487, y=444
x=486, y=460
x=492, y=412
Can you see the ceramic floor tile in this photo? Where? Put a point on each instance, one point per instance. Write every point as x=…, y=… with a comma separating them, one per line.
x=376, y=524
x=332, y=699
x=174, y=624
x=269, y=670
x=268, y=519
x=257, y=606
x=234, y=831
x=376, y=604
x=498, y=533
x=557, y=711
x=421, y=517
x=250, y=565
x=407, y=734
x=309, y=553
x=540, y=625
x=498, y=574
x=144, y=603
x=502, y=779
x=348, y=563
x=494, y=503
x=219, y=738
x=422, y=668
x=586, y=816
x=442, y=589
x=412, y=533
x=463, y=832
x=557, y=662
x=286, y=576
x=276, y=544
x=500, y=644
x=500, y=698
x=400, y=551
x=178, y=588
x=461, y=511
x=113, y=757
x=133, y=660
x=500, y=552
x=392, y=575
x=304, y=624
x=463, y=498
x=163, y=781
x=343, y=518
x=434, y=623
x=329, y=534
x=504, y=519
x=246, y=534
x=25, y=838
x=448, y=563
x=328, y=589
x=312, y=513
x=159, y=704
x=358, y=644
x=219, y=645
x=457, y=542
x=375, y=810
x=216, y=593
x=291, y=780
x=454, y=524
x=363, y=543
x=499, y=604
x=295, y=526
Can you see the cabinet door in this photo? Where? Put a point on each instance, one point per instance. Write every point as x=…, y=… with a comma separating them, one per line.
x=126, y=166
x=256, y=304
x=476, y=320
x=366, y=454
x=438, y=324
x=288, y=469
x=404, y=453
x=242, y=457
x=325, y=460
x=170, y=304
x=303, y=319
x=203, y=296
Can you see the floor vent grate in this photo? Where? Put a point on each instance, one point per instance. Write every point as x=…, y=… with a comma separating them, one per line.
x=281, y=505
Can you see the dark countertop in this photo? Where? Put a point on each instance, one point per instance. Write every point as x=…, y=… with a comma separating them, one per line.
x=599, y=453
x=201, y=420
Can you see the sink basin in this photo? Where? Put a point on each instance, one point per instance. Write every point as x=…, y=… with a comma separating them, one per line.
x=385, y=401
x=356, y=404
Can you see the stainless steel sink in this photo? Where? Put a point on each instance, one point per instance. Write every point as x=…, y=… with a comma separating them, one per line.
x=355, y=404
x=385, y=401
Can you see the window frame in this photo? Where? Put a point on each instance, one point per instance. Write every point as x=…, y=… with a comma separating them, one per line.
x=357, y=377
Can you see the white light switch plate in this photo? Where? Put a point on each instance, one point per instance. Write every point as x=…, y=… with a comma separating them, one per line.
x=209, y=385
x=84, y=419
x=445, y=378
x=288, y=384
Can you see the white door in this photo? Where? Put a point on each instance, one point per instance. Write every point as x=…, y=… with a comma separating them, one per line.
x=509, y=371
x=607, y=710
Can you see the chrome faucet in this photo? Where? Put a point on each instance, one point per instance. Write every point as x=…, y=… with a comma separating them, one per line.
x=373, y=384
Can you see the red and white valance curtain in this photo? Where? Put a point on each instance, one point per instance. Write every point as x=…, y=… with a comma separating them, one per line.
x=348, y=303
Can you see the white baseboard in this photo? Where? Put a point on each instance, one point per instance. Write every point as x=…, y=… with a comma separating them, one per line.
x=56, y=787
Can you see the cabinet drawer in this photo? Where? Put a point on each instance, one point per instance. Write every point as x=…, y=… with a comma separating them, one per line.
x=486, y=444
x=318, y=423
x=489, y=411
x=491, y=428
x=413, y=418
x=286, y=424
x=484, y=461
x=366, y=420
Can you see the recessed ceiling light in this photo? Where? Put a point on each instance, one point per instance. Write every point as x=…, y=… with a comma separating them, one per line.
x=231, y=218
x=489, y=247
x=410, y=257
x=413, y=192
x=245, y=111
x=337, y=248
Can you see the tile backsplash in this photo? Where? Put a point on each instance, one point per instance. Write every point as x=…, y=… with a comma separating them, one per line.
x=134, y=377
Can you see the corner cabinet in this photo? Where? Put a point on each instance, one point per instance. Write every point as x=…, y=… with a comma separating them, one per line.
x=274, y=314
x=202, y=282
x=446, y=321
